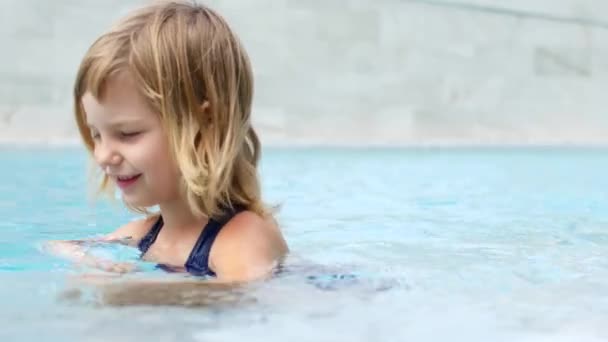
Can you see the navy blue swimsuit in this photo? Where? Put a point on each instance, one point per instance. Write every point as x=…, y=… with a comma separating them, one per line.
x=198, y=261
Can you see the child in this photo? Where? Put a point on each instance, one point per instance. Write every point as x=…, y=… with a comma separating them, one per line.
x=163, y=103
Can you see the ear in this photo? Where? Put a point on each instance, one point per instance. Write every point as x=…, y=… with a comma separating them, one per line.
x=205, y=110
x=205, y=106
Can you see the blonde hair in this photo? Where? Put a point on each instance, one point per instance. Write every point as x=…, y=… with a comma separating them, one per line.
x=193, y=71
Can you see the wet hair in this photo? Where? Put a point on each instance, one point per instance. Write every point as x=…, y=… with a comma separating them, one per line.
x=194, y=72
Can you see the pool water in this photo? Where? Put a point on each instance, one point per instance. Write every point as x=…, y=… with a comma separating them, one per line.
x=478, y=244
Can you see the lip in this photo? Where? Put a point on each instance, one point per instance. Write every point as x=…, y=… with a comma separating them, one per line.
x=126, y=182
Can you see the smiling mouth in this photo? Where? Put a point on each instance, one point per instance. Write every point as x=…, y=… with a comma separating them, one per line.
x=126, y=178
x=125, y=181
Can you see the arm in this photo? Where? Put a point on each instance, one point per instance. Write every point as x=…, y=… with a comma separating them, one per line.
x=76, y=251
x=167, y=291
x=248, y=248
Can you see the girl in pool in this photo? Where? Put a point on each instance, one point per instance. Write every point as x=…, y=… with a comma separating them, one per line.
x=163, y=104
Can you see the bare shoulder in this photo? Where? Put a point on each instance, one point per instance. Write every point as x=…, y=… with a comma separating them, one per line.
x=247, y=247
x=250, y=229
x=133, y=230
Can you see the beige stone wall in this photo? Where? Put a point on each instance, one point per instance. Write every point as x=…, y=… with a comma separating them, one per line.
x=354, y=71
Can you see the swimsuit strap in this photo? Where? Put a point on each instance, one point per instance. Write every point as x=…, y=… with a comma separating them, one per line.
x=198, y=261
x=147, y=241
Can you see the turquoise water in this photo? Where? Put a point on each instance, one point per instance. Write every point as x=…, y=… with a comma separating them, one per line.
x=388, y=245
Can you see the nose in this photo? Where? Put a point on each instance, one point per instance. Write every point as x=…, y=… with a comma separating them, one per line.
x=107, y=155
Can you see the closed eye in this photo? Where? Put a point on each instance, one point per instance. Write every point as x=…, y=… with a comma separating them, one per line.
x=129, y=134
x=95, y=135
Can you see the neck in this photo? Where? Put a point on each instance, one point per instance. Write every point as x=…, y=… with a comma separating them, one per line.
x=177, y=216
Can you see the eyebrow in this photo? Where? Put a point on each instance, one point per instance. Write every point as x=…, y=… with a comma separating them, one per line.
x=118, y=124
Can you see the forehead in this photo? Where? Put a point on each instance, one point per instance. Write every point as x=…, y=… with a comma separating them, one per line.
x=119, y=101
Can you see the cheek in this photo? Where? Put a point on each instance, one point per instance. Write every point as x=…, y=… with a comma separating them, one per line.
x=160, y=167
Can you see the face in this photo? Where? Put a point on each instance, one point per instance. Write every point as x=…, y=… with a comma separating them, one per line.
x=130, y=144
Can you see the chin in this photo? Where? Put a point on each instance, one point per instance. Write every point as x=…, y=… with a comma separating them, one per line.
x=138, y=202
